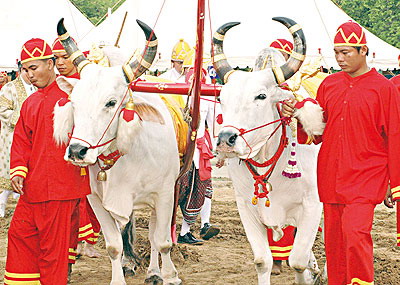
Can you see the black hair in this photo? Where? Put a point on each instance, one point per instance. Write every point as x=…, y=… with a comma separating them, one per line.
x=359, y=48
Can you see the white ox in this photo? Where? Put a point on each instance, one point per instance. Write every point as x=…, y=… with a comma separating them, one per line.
x=248, y=100
x=144, y=176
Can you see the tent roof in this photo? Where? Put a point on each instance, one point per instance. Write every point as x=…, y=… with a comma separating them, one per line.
x=26, y=19
x=319, y=19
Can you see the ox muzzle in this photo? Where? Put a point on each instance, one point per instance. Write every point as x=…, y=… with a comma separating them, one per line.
x=226, y=141
x=77, y=152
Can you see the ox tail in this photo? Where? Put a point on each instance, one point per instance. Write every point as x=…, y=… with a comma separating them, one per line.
x=128, y=239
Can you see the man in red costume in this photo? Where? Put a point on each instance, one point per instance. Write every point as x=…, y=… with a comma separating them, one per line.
x=50, y=188
x=86, y=228
x=396, y=194
x=358, y=156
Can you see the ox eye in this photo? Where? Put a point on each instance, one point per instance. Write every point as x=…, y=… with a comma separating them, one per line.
x=261, y=97
x=111, y=103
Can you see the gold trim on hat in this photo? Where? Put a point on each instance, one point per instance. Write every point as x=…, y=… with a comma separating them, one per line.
x=294, y=28
x=347, y=39
x=35, y=58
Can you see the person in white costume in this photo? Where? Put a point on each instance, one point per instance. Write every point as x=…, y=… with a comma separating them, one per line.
x=179, y=53
x=12, y=95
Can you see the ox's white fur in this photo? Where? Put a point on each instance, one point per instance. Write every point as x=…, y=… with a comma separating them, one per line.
x=248, y=100
x=144, y=176
x=312, y=118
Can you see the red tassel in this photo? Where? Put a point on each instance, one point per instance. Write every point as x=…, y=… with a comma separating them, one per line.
x=128, y=115
x=220, y=120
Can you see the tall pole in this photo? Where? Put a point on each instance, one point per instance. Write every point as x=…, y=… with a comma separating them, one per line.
x=194, y=106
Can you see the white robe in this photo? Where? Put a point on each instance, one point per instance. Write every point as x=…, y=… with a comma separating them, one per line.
x=12, y=95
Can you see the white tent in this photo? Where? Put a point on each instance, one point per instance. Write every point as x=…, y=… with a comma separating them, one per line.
x=22, y=20
x=177, y=19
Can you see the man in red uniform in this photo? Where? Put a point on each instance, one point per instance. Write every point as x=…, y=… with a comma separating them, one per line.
x=50, y=188
x=358, y=156
x=396, y=194
x=86, y=227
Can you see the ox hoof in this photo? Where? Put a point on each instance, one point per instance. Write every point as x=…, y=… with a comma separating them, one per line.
x=154, y=280
x=128, y=271
x=276, y=267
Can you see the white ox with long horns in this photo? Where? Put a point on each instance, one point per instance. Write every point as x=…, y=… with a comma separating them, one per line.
x=105, y=124
x=256, y=158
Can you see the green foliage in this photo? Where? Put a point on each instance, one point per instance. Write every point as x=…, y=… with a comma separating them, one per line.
x=96, y=10
x=380, y=17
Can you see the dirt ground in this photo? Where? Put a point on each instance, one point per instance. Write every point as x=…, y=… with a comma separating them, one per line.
x=226, y=258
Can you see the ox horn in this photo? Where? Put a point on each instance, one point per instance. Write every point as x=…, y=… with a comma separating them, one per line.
x=297, y=57
x=75, y=55
x=136, y=68
x=220, y=62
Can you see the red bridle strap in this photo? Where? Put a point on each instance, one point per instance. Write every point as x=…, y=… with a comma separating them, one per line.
x=90, y=146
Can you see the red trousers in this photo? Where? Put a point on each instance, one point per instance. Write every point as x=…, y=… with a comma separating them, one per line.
x=398, y=222
x=38, y=241
x=89, y=226
x=281, y=249
x=348, y=243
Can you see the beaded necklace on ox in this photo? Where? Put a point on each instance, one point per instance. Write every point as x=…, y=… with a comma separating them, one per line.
x=262, y=179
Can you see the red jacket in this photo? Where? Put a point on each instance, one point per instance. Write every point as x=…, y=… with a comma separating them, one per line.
x=35, y=155
x=360, y=145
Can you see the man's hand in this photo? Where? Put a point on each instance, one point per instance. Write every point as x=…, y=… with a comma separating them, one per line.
x=17, y=184
x=388, y=199
x=288, y=107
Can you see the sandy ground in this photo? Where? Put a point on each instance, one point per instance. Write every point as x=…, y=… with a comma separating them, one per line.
x=226, y=258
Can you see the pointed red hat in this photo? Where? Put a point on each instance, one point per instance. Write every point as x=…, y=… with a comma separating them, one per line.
x=282, y=45
x=350, y=34
x=35, y=49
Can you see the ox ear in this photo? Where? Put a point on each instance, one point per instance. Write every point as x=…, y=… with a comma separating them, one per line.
x=148, y=113
x=63, y=121
x=66, y=84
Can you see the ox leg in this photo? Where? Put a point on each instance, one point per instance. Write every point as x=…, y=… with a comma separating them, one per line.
x=302, y=248
x=112, y=237
x=162, y=237
x=256, y=234
x=153, y=271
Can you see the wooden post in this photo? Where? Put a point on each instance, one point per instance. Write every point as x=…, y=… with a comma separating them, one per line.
x=120, y=31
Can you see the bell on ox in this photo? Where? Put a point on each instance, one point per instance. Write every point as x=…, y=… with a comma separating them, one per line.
x=101, y=176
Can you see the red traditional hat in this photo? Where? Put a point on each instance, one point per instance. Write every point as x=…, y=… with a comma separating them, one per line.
x=57, y=45
x=282, y=45
x=350, y=34
x=35, y=49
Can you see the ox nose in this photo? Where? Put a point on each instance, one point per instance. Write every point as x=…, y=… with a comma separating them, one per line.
x=228, y=138
x=77, y=151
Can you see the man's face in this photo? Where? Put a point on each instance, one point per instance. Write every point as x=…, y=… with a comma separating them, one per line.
x=40, y=72
x=63, y=64
x=3, y=79
x=177, y=65
x=349, y=58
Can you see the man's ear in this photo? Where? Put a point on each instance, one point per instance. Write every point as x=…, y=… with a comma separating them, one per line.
x=364, y=50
